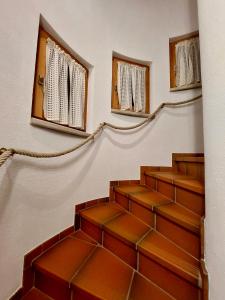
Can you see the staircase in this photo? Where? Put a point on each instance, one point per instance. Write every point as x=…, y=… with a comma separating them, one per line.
x=145, y=241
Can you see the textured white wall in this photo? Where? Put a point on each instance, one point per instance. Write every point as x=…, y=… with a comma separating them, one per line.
x=37, y=197
x=212, y=24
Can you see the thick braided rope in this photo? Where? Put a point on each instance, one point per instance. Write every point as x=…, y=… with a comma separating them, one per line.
x=6, y=153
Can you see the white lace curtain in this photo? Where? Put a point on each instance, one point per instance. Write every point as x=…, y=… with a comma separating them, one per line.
x=131, y=87
x=64, y=95
x=188, y=69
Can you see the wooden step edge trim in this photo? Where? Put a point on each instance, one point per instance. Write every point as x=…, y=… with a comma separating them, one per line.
x=177, y=270
x=205, y=280
x=199, y=191
x=188, y=227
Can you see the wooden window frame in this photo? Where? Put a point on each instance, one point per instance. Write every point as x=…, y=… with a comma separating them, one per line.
x=37, y=113
x=172, y=45
x=115, y=107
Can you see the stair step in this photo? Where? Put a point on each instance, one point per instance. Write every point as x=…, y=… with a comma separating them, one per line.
x=180, y=215
x=55, y=268
x=163, y=251
x=81, y=235
x=102, y=214
x=179, y=179
x=144, y=289
x=128, y=189
x=193, y=185
x=35, y=294
x=104, y=276
x=128, y=228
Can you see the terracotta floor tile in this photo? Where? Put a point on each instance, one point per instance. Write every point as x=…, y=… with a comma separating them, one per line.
x=104, y=276
x=149, y=199
x=162, y=250
x=65, y=258
x=167, y=176
x=127, y=189
x=35, y=294
x=79, y=234
x=102, y=213
x=180, y=215
x=192, y=185
x=128, y=228
x=143, y=289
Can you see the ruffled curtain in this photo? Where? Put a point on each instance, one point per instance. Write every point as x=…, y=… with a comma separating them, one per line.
x=188, y=69
x=77, y=95
x=131, y=87
x=64, y=95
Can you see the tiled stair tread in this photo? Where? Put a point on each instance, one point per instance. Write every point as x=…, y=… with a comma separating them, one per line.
x=149, y=199
x=102, y=213
x=104, y=276
x=167, y=176
x=191, y=184
x=160, y=249
x=143, y=289
x=128, y=189
x=35, y=294
x=128, y=228
x=179, y=179
x=65, y=258
x=180, y=215
x=81, y=235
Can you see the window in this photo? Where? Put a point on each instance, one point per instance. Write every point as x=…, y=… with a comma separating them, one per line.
x=130, y=87
x=185, y=72
x=60, y=88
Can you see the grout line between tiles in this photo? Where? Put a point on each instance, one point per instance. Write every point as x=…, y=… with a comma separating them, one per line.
x=130, y=285
x=83, y=264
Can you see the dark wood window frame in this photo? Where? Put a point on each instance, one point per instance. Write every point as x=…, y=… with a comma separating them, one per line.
x=115, y=107
x=37, y=114
x=172, y=44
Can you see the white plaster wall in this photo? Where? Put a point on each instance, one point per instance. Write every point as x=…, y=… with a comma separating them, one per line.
x=37, y=197
x=212, y=24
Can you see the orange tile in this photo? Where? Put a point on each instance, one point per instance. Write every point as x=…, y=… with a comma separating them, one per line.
x=142, y=213
x=79, y=234
x=186, y=240
x=149, y=199
x=94, y=231
x=52, y=286
x=127, y=189
x=158, y=248
x=170, y=282
x=181, y=216
x=102, y=213
x=128, y=228
x=122, y=200
x=35, y=294
x=63, y=260
x=192, y=201
x=120, y=249
x=143, y=289
x=165, y=188
x=104, y=276
x=150, y=182
x=193, y=185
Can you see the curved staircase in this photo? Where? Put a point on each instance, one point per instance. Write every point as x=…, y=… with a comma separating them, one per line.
x=145, y=241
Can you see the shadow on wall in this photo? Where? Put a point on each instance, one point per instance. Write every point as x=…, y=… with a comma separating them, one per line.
x=19, y=164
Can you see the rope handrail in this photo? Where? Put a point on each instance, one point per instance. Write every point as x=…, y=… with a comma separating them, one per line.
x=6, y=153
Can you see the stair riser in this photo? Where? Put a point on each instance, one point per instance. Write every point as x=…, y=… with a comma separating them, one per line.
x=189, y=199
x=185, y=239
x=53, y=287
x=77, y=294
x=167, y=280
x=139, y=211
x=128, y=253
